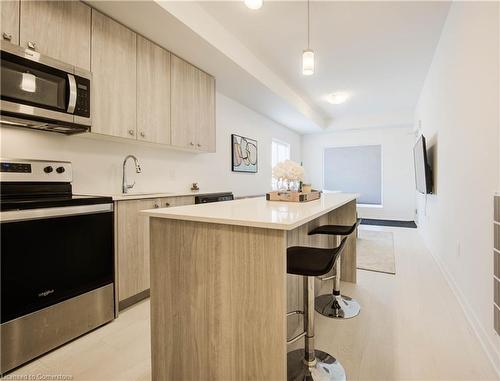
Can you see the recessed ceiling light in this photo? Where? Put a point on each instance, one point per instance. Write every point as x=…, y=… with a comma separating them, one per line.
x=337, y=98
x=254, y=4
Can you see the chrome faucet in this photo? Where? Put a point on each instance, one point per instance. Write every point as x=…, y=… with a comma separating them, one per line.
x=125, y=186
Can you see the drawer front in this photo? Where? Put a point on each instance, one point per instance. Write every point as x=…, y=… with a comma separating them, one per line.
x=166, y=202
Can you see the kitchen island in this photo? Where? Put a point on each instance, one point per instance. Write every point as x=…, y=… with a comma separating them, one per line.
x=219, y=288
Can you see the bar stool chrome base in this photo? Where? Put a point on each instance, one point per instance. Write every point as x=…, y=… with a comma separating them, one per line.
x=327, y=368
x=337, y=307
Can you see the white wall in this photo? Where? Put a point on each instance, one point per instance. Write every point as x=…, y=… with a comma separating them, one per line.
x=398, y=181
x=97, y=164
x=459, y=113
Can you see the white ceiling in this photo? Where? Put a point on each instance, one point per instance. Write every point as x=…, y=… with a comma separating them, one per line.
x=188, y=31
x=379, y=52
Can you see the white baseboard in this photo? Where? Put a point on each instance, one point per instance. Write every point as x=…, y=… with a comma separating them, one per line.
x=490, y=349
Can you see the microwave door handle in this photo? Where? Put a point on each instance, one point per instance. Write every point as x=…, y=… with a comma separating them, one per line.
x=72, y=93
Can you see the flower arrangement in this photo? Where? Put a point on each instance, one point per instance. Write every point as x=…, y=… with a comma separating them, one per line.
x=288, y=174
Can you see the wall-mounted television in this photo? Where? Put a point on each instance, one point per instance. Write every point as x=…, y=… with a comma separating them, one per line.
x=423, y=172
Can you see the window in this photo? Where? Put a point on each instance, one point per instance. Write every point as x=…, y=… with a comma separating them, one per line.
x=280, y=151
x=355, y=169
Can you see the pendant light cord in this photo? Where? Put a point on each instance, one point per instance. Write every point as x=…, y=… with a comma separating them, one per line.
x=308, y=25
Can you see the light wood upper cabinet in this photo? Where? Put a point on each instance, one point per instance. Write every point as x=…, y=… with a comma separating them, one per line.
x=205, y=140
x=10, y=20
x=192, y=107
x=153, y=92
x=114, y=78
x=139, y=90
x=59, y=29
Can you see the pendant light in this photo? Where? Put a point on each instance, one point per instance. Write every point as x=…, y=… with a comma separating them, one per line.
x=308, y=54
x=254, y=4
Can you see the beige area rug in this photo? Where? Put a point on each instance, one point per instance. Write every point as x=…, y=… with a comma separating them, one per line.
x=375, y=251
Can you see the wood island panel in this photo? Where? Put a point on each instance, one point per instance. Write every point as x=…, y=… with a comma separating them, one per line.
x=218, y=301
x=219, y=288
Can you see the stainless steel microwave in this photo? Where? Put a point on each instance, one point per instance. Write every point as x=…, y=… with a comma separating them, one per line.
x=43, y=93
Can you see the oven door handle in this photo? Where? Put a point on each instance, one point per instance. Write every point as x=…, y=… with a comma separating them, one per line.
x=72, y=93
x=64, y=211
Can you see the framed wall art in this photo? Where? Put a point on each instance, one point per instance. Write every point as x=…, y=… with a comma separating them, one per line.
x=244, y=154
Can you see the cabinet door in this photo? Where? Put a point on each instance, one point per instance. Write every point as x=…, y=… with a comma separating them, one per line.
x=10, y=20
x=184, y=103
x=193, y=107
x=205, y=131
x=133, y=247
x=114, y=78
x=153, y=92
x=59, y=29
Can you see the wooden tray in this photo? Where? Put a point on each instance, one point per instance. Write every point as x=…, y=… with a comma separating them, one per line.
x=293, y=196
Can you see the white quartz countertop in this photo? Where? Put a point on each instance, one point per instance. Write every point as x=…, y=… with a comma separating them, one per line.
x=256, y=212
x=143, y=195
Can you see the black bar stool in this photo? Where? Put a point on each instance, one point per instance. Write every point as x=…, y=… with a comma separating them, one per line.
x=310, y=364
x=335, y=305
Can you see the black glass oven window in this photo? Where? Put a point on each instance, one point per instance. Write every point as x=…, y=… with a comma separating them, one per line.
x=47, y=261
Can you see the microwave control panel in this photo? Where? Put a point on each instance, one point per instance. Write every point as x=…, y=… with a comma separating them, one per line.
x=82, y=107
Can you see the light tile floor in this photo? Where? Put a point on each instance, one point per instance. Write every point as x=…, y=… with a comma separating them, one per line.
x=410, y=328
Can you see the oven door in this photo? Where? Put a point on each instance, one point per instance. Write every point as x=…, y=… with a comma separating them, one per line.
x=51, y=255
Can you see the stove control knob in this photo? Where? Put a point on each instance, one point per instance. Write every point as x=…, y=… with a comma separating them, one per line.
x=48, y=169
x=60, y=170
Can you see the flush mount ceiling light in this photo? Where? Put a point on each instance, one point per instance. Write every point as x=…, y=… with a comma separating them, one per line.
x=308, y=54
x=254, y=4
x=337, y=98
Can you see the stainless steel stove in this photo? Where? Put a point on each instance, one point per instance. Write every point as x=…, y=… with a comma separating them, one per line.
x=57, y=260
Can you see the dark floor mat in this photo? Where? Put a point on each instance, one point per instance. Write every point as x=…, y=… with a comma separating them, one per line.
x=398, y=224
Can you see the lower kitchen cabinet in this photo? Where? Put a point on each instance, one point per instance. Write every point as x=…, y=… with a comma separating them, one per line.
x=132, y=246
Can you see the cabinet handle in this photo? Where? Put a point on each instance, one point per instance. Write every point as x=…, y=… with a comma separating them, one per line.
x=32, y=45
x=199, y=145
x=191, y=144
x=156, y=206
x=167, y=204
x=143, y=135
x=131, y=132
x=7, y=36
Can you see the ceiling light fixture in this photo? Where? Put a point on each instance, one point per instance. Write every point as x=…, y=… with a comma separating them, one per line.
x=308, y=54
x=337, y=98
x=254, y=4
